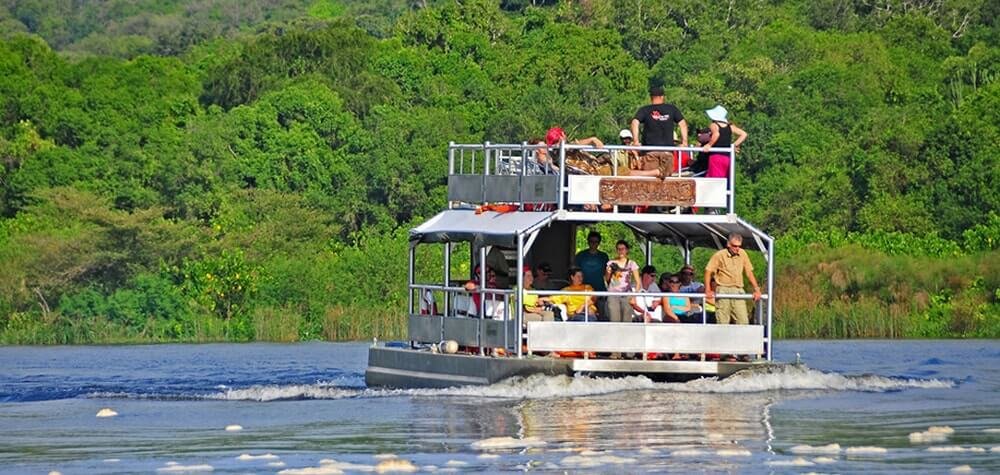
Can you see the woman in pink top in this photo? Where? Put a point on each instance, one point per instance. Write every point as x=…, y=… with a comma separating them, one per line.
x=620, y=274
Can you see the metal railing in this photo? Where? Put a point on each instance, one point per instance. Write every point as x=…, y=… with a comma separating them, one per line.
x=504, y=305
x=489, y=159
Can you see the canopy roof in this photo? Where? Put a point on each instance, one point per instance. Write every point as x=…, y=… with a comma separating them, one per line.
x=701, y=234
x=491, y=228
x=487, y=228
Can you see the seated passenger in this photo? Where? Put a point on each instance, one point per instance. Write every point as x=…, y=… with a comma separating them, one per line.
x=543, y=273
x=495, y=306
x=624, y=162
x=676, y=308
x=578, y=307
x=647, y=309
x=536, y=309
x=543, y=163
x=688, y=284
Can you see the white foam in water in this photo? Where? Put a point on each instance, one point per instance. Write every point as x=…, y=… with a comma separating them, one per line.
x=112, y=460
x=688, y=453
x=55, y=472
x=107, y=412
x=956, y=448
x=595, y=460
x=648, y=451
x=797, y=462
x=824, y=460
x=277, y=464
x=733, y=453
x=866, y=450
x=800, y=377
x=174, y=467
x=347, y=466
x=932, y=434
x=294, y=391
x=321, y=470
x=384, y=456
x=961, y=469
x=819, y=449
x=396, y=465
x=456, y=463
x=488, y=456
x=234, y=428
x=501, y=443
x=788, y=377
x=248, y=457
x=992, y=431
x=995, y=448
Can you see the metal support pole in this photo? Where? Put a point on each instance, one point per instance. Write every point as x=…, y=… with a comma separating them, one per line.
x=770, y=299
x=451, y=165
x=732, y=180
x=649, y=251
x=563, y=184
x=519, y=314
x=482, y=299
x=409, y=278
x=447, y=283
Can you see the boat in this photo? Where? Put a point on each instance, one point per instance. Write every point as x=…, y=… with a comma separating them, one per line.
x=506, y=200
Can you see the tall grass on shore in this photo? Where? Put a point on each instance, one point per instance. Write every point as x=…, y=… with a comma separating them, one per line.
x=853, y=292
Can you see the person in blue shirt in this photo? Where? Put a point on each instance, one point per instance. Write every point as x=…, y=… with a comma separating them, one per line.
x=593, y=262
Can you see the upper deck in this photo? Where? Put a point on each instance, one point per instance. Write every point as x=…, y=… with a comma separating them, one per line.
x=535, y=178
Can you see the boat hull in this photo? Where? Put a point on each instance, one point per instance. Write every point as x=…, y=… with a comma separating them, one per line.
x=406, y=368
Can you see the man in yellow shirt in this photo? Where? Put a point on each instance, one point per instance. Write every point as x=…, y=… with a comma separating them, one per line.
x=728, y=267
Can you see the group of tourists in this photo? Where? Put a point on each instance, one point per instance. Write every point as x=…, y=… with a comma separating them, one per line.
x=594, y=271
x=654, y=124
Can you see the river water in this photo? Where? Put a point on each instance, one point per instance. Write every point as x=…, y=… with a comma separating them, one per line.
x=303, y=408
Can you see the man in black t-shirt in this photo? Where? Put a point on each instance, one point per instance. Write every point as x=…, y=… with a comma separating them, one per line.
x=658, y=120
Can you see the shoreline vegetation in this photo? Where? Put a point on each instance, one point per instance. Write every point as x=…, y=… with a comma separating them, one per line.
x=196, y=171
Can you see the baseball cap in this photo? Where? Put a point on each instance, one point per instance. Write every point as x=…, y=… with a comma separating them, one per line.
x=625, y=134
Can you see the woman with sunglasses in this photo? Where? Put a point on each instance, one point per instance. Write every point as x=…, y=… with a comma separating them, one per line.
x=679, y=307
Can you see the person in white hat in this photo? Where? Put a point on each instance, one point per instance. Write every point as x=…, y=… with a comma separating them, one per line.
x=623, y=160
x=722, y=137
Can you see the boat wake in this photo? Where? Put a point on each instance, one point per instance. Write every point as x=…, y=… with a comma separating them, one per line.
x=768, y=379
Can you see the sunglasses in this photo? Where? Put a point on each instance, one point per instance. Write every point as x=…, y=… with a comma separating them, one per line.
x=673, y=281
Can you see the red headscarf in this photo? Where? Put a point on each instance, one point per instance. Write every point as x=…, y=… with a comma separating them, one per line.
x=554, y=135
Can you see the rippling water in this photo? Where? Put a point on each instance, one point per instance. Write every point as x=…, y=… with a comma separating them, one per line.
x=925, y=406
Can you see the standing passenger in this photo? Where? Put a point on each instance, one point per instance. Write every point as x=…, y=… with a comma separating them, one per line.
x=728, y=266
x=658, y=119
x=722, y=137
x=593, y=261
x=620, y=273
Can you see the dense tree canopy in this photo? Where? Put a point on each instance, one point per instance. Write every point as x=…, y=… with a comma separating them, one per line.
x=170, y=159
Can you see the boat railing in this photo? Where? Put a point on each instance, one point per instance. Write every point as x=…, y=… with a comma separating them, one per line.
x=529, y=175
x=495, y=320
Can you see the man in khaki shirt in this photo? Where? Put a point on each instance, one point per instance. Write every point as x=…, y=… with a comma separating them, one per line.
x=728, y=266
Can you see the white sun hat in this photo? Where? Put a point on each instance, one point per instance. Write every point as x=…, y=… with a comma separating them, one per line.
x=718, y=114
x=625, y=134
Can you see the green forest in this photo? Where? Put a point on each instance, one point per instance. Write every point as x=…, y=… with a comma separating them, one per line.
x=238, y=170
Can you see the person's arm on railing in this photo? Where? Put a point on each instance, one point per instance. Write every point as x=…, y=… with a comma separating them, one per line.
x=684, y=132
x=742, y=136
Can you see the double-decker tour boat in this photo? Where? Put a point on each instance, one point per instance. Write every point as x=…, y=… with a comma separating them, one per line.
x=510, y=200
